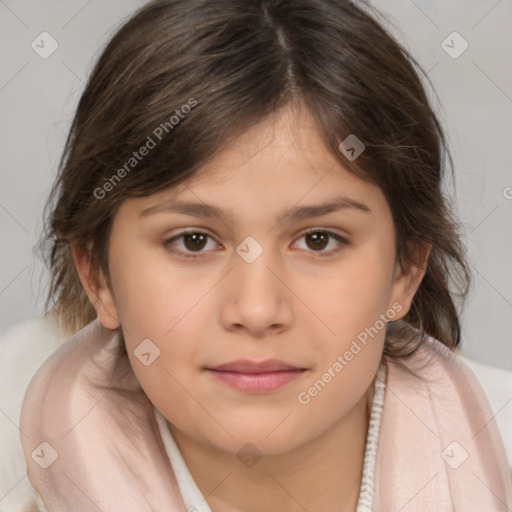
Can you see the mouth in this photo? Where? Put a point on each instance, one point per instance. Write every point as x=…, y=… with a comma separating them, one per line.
x=256, y=377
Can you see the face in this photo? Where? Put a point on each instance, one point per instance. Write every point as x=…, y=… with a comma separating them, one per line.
x=268, y=276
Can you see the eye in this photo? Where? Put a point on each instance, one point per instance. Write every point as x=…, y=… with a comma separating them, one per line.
x=317, y=239
x=195, y=241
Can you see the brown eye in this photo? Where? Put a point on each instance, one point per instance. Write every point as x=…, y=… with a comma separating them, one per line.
x=194, y=241
x=317, y=240
x=191, y=242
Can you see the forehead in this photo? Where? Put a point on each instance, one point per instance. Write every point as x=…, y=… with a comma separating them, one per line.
x=287, y=137
x=280, y=165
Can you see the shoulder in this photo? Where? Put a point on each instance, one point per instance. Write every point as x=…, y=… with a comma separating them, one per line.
x=486, y=385
x=23, y=348
x=497, y=385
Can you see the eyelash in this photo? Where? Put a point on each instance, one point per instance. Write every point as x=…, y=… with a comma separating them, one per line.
x=168, y=243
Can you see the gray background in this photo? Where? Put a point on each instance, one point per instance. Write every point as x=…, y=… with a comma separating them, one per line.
x=37, y=98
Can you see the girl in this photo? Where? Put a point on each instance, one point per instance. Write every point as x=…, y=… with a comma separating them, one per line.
x=253, y=252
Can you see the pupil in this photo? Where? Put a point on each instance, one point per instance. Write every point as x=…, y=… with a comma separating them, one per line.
x=196, y=238
x=318, y=238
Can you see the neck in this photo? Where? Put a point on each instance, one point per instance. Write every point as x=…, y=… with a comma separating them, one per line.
x=323, y=474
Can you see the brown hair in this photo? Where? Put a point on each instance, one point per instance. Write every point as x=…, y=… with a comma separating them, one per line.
x=239, y=61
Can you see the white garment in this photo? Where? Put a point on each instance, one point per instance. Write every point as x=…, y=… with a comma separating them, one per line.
x=194, y=500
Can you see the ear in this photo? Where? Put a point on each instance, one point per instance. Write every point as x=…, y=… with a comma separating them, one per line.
x=406, y=281
x=96, y=288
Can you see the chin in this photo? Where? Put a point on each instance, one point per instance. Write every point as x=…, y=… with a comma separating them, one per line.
x=271, y=438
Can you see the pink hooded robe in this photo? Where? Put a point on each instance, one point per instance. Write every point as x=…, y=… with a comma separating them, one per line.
x=90, y=449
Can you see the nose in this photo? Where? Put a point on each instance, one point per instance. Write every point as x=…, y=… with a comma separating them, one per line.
x=256, y=298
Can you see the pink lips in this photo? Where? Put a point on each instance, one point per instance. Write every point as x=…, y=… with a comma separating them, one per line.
x=256, y=377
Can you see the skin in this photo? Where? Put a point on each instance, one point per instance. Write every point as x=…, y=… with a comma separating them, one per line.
x=291, y=303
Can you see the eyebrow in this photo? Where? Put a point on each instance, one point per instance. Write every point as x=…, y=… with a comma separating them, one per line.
x=296, y=213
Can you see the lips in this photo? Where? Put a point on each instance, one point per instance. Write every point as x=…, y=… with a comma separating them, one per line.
x=246, y=366
x=256, y=377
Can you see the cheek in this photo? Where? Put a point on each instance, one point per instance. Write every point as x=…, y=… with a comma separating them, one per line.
x=345, y=371
x=350, y=347
x=161, y=314
x=334, y=392
x=353, y=298
x=150, y=296
x=166, y=368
